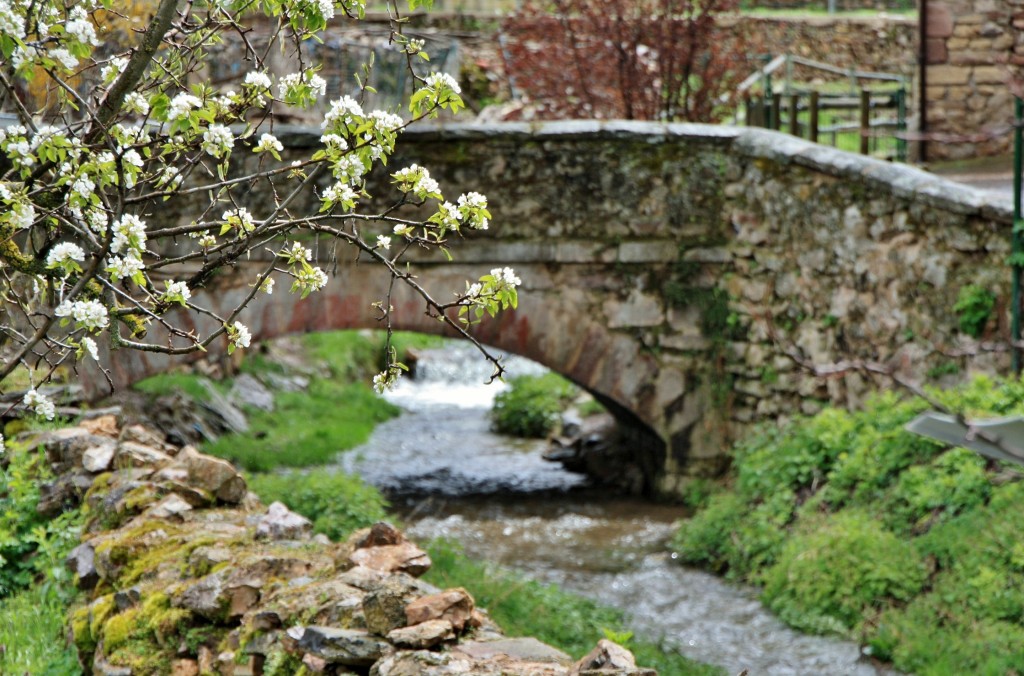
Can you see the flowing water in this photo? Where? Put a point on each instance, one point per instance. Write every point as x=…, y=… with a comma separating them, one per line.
x=452, y=477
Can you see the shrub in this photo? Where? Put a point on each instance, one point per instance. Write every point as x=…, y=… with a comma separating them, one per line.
x=799, y=456
x=973, y=306
x=952, y=483
x=336, y=503
x=827, y=579
x=532, y=405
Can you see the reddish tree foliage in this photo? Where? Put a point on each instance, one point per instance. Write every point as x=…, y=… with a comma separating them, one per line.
x=632, y=59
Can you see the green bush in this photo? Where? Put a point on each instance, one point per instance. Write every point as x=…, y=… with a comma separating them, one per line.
x=973, y=307
x=32, y=633
x=797, y=457
x=830, y=578
x=32, y=547
x=532, y=405
x=336, y=503
x=953, y=482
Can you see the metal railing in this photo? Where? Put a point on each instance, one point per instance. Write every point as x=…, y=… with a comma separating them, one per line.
x=855, y=110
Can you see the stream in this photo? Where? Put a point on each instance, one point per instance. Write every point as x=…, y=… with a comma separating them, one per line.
x=450, y=476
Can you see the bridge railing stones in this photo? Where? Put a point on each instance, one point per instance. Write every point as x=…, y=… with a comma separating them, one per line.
x=669, y=269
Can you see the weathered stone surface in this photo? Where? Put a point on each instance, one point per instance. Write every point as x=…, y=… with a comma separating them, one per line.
x=424, y=635
x=251, y=392
x=103, y=425
x=340, y=646
x=606, y=656
x=379, y=534
x=454, y=605
x=384, y=607
x=212, y=474
x=526, y=649
x=81, y=561
x=98, y=458
x=185, y=668
x=280, y=523
x=405, y=557
x=132, y=454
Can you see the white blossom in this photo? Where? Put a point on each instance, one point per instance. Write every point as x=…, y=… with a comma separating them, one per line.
x=339, y=192
x=64, y=57
x=23, y=215
x=438, y=80
x=268, y=142
x=177, y=292
x=386, y=121
x=267, y=286
x=240, y=218
x=40, y=404
x=505, y=278
x=63, y=253
x=218, y=140
x=181, y=105
x=11, y=23
x=258, y=79
x=473, y=200
x=83, y=187
x=384, y=242
x=80, y=27
x=344, y=110
x=334, y=142
x=125, y=267
x=129, y=233
x=3, y=447
x=240, y=337
x=298, y=253
x=134, y=102
x=90, y=314
x=89, y=345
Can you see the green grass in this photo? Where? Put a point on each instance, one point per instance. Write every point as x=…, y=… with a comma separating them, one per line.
x=32, y=635
x=168, y=383
x=336, y=503
x=524, y=607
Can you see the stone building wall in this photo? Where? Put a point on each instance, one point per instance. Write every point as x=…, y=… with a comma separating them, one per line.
x=973, y=48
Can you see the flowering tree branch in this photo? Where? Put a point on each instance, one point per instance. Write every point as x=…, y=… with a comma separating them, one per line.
x=109, y=132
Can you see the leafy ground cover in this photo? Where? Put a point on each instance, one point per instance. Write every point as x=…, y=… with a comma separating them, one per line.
x=532, y=406
x=856, y=527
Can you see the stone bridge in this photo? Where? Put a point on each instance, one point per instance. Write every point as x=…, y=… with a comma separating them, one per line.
x=669, y=269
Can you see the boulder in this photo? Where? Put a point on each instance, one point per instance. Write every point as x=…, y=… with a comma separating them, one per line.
x=354, y=647
x=210, y=474
x=280, y=523
x=378, y=535
x=384, y=607
x=171, y=506
x=608, y=659
x=133, y=454
x=102, y=425
x=249, y=391
x=424, y=635
x=454, y=605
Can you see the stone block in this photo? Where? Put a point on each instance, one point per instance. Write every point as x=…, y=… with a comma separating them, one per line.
x=940, y=21
x=990, y=75
x=948, y=75
x=937, y=51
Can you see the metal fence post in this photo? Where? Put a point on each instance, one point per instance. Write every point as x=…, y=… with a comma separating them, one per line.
x=1018, y=225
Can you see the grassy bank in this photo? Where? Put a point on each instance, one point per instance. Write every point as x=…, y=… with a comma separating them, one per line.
x=856, y=527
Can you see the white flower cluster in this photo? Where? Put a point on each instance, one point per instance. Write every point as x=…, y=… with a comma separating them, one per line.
x=40, y=404
x=259, y=80
x=11, y=22
x=113, y=69
x=505, y=278
x=89, y=314
x=125, y=267
x=177, y=292
x=384, y=242
x=292, y=82
x=385, y=121
x=439, y=81
x=181, y=106
x=348, y=168
x=129, y=234
x=339, y=192
x=473, y=210
x=268, y=142
x=345, y=110
x=416, y=179
x=311, y=278
x=135, y=102
x=297, y=253
x=80, y=27
x=239, y=335
x=63, y=254
x=334, y=142
x=218, y=141
x=239, y=219
x=63, y=57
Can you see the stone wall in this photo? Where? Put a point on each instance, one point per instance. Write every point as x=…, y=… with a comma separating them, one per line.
x=184, y=572
x=973, y=47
